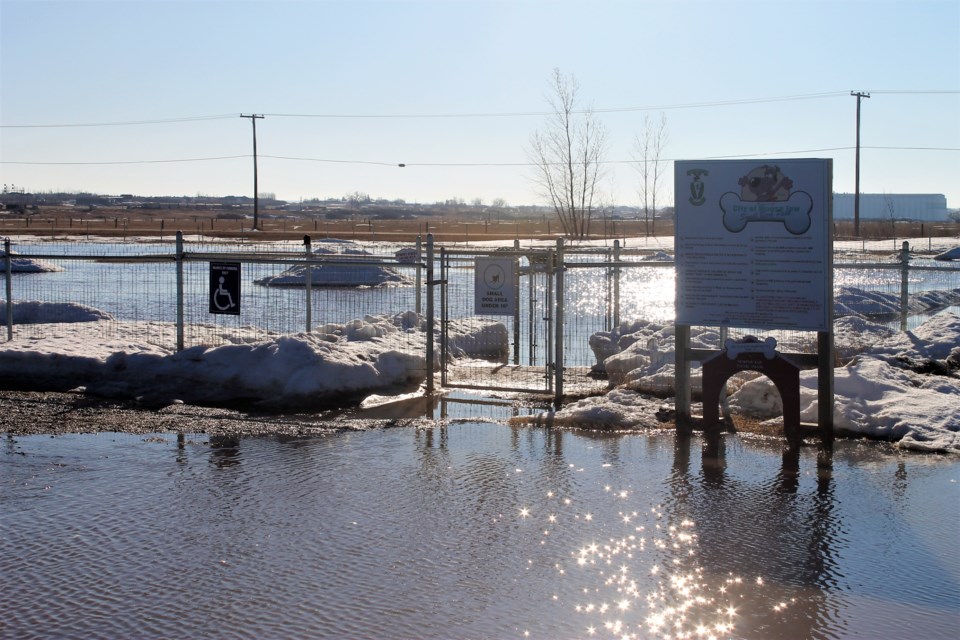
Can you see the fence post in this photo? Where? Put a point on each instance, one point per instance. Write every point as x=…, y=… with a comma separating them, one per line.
x=531, y=312
x=516, y=311
x=616, y=284
x=444, y=316
x=904, y=283
x=682, y=378
x=548, y=311
x=8, y=271
x=179, y=290
x=608, y=289
x=558, y=326
x=430, y=327
x=418, y=306
x=309, y=283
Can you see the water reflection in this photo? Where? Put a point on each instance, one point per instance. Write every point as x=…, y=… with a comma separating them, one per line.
x=224, y=451
x=760, y=533
x=720, y=555
x=476, y=530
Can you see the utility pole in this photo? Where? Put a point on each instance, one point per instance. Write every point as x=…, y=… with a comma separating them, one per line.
x=856, y=194
x=256, y=198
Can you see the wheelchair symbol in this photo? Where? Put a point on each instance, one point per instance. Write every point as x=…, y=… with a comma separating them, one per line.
x=220, y=292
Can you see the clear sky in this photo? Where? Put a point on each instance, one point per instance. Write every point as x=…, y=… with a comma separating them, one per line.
x=452, y=89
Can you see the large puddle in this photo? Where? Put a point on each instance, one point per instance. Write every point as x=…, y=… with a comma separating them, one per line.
x=474, y=530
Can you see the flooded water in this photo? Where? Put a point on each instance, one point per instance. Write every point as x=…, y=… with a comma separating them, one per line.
x=474, y=530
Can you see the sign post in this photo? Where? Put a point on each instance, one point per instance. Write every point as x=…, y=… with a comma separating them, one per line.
x=225, y=288
x=754, y=249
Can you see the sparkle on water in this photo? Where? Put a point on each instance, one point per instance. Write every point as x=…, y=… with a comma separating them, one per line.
x=612, y=574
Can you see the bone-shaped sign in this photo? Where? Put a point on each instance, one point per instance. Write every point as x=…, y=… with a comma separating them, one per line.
x=794, y=212
x=751, y=345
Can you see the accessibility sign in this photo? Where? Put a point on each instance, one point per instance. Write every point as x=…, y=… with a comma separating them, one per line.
x=225, y=288
x=495, y=288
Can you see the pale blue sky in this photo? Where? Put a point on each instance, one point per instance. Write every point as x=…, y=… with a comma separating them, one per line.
x=85, y=62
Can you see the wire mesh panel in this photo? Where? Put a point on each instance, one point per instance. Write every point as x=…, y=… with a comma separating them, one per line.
x=635, y=346
x=108, y=286
x=587, y=306
x=618, y=307
x=130, y=291
x=498, y=352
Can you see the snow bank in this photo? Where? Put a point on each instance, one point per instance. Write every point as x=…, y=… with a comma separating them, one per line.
x=906, y=389
x=348, y=270
x=620, y=410
x=640, y=349
x=903, y=387
x=642, y=353
x=472, y=338
x=21, y=264
x=35, y=312
x=952, y=254
x=659, y=256
x=879, y=305
x=336, y=364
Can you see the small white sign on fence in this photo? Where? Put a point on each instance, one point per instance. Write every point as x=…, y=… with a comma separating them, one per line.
x=495, y=289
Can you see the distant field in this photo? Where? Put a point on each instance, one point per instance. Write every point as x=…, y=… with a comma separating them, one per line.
x=114, y=223
x=105, y=222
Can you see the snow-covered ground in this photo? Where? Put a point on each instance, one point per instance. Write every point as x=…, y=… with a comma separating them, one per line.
x=898, y=386
x=335, y=364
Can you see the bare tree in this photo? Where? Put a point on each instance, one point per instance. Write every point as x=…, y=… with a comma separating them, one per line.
x=648, y=148
x=567, y=154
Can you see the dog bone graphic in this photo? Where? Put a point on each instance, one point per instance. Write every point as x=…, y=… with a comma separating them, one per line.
x=794, y=213
x=751, y=345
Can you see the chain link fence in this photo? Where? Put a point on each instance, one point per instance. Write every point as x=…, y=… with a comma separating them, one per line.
x=584, y=319
x=163, y=293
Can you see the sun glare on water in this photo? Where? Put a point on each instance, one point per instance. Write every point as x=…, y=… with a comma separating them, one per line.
x=636, y=575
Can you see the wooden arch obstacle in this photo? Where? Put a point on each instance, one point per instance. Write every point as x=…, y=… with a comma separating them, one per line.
x=751, y=354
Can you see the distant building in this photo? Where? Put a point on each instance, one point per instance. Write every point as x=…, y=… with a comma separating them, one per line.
x=924, y=207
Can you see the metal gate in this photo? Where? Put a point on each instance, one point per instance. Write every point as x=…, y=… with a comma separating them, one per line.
x=514, y=353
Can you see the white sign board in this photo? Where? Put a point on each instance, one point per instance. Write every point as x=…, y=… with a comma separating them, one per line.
x=495, y=289
x=754, y=243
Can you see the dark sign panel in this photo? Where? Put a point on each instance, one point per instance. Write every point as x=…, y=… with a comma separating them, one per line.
x=225, y=288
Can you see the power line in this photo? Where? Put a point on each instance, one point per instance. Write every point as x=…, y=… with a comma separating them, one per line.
x=461, y=164
x=331, y=161
x=513, y=114
x=122, y=123
x=111, y=162
x=506, y=114
x=915, y=91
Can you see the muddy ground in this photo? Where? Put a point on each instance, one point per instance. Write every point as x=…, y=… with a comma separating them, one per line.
x=55, y=413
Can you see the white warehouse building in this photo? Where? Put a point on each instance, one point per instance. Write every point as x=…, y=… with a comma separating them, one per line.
x=924, y=207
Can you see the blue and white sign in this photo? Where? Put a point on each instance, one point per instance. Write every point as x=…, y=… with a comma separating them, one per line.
x=495, y=288
x=754, y=243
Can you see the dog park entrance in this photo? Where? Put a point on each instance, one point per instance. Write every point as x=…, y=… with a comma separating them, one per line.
x=518, y=298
